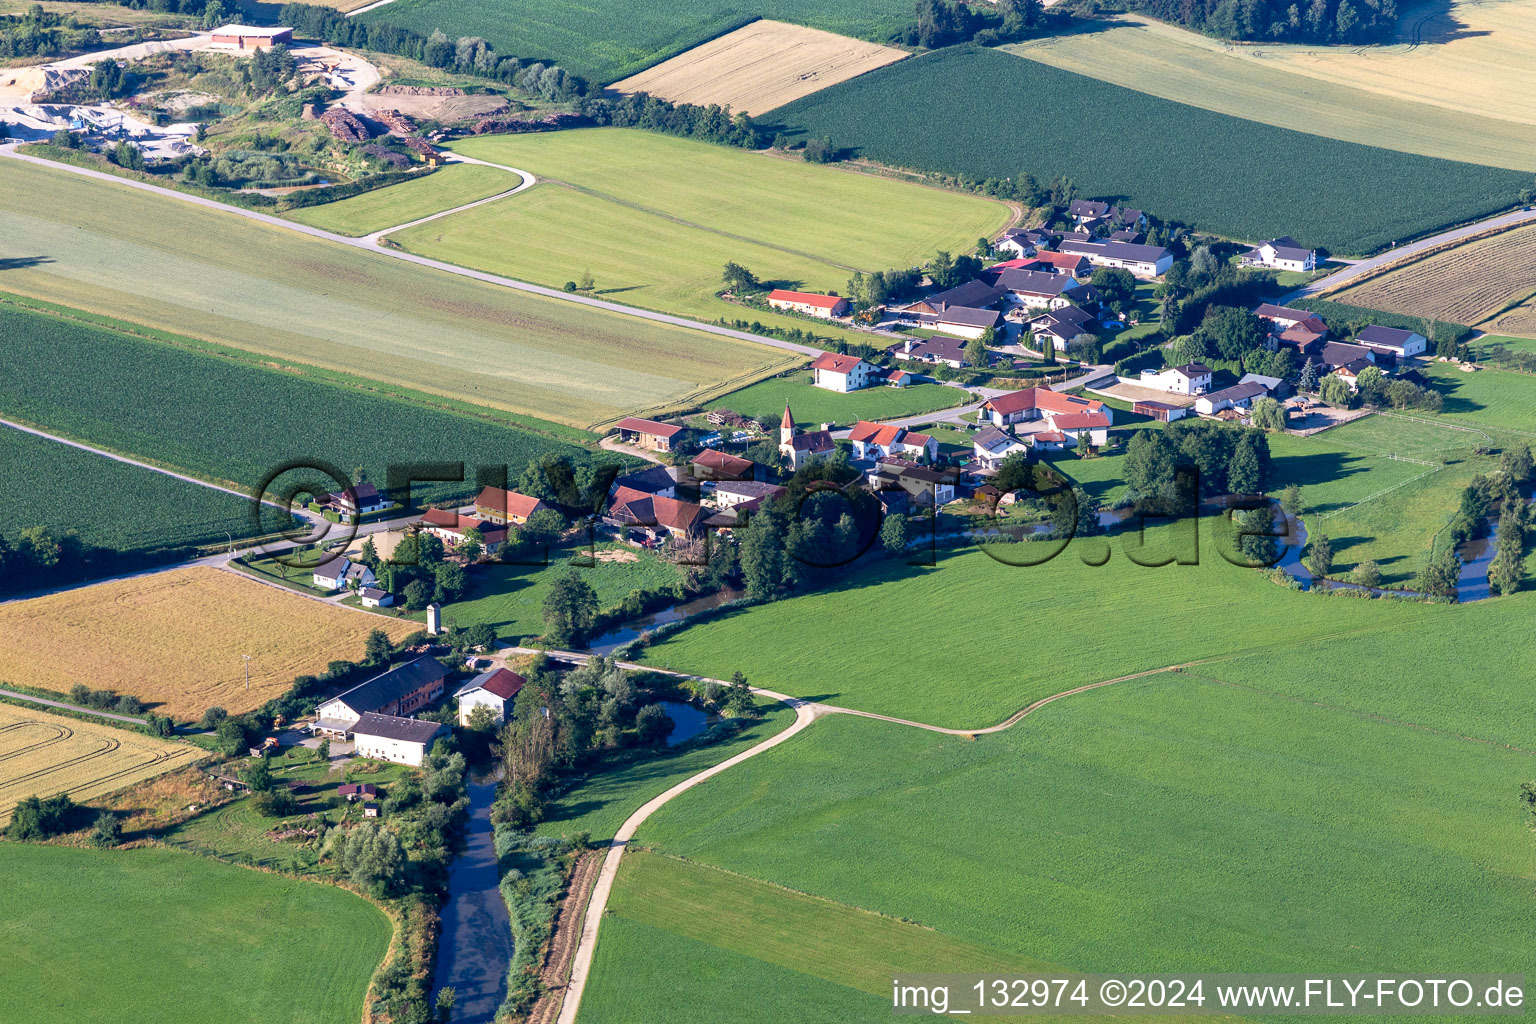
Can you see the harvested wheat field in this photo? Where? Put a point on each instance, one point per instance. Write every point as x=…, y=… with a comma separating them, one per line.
x=175, y=639
x=761, y=66
x=1520, y=321
x=43, y=754
x=1466, y=284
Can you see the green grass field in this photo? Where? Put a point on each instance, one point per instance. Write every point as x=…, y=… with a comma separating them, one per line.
x=110, y=249
x=1496, y=405
x=810, y=404
x=454, y=185
x=43, y=482
x=150, y=935
x=1078, y=624
x=131, y=395
x=1251, y=181
x=511, y=597
x=615, y=790
x=606, y=42
x=1175, y=64
x=655, y=219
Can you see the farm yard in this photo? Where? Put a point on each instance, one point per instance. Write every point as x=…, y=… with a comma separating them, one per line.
x=42, y=754
x=606, y=42
x=454, y=185
x=760, y=66
x=1253, y=180
x=43, y=481
x=170, y=265
x=654, y=219
x=1319, y=90
x=115, y=636
x=187, y=940
x=766, y=399
x=126, y=392
x=1466, y=284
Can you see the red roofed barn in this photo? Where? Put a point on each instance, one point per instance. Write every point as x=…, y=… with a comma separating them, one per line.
x=809, y=303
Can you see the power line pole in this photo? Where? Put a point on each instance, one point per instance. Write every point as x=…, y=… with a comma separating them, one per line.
x=247, y=658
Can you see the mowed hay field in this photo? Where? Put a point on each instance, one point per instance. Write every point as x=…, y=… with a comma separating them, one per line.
x=760, y=66
x=1251, y=180
x=454, y=185
x=119, y=251
x=175, y=639
x=655, y=218
x=1466, y=284
x=43, y=754
x=154, y=935
x=1295, y=89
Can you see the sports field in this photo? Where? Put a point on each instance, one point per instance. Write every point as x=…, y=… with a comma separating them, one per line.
x=760, y=66
x=1467, y=284
x=454, y=185
x=1252, y=180
x=603, y=42
x=655, y=219
x=766, y=400
x=126, y=392
x=42, y=481
x=115, y=636
x=187, y=940
x=43, y=754
x=171, y=265
x=1370, y=95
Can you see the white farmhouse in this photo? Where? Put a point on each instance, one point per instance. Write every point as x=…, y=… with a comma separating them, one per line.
x=401, y=740
x=1390, y=339
x=1189, y=379
x=1140, y=260
x=493, y=689
x=1280, y=254
x=841, y=373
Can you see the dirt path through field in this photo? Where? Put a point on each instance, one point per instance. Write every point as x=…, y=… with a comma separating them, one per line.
x=562, y=946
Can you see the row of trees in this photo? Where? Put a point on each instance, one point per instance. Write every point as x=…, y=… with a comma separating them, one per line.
x=1228, y=460
x=947, y=22
x=1313, y=21
x=713, y=123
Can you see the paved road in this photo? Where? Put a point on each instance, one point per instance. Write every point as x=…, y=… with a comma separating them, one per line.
x=71, y=707
x=1369, y=266
x=8, y=151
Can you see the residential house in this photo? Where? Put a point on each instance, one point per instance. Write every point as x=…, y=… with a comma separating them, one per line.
x=399, y=690
x=657, y=517
x=373, y=597
x=1160, y=411
x=1022, y=242
x=992, y=445
x=809, y=303
x=1140, y=260
x=1398, y=343
x=1280, y=317
x=882, y=440
x=717, y=465
x=359, y=499
x=391, y=738
x=1038, y=403
x=660, y=480
x=450, y=526
x=1061, y=327
x=1048, y=441
x=950, y=351
x=339, y=573
x=834, y=372
x=491, y=689
x=799, y=447
x=1036, y=289
x=745, y=495
x=1074, y=264
x=1339, y=353
x=1306, y=337
x=649, y=434
x=1189, y=379
x=1074, y=424
x=964, y=322
x=1350, y=372
x=924, y=487
x=973, y=294
x=1283, y=253
x=1087, y=212
x=903, y=378
x=502, y=506
x=1238, y=396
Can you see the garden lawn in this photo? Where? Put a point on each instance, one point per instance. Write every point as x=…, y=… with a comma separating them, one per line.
x=1022, y=632
x=606, y=41
x=511, y=597
x=170, y=265
x=151, y=935
x=1250, y=181
x=599, y=804
x=128, y=394
x=766, y=399
x=42, y=481
x=454, y=185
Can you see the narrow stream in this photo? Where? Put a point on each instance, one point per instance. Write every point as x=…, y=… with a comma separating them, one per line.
x=476, y=946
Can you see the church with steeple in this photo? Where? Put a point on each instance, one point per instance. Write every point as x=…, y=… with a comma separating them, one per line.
x=798, y=446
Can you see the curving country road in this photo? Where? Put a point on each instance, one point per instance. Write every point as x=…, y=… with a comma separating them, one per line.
x=369, y=244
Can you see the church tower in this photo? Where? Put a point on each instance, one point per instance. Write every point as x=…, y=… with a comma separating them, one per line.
x=786, y=427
